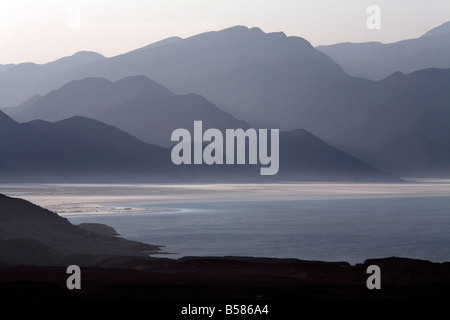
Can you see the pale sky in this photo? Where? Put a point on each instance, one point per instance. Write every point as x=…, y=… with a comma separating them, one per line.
x=45, y=30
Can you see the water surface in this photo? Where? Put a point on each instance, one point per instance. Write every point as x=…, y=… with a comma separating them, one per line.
x=318, y=229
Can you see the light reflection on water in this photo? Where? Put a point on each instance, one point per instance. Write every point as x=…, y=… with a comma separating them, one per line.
x=332, y=230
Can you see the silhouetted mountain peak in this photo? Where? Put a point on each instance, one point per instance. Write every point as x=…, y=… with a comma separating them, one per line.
x=237, y=28
x=254, y=31
x=228, y=35
x=84, y=126
x=6, y=121
x=241, y=29
x=96, y=83
x=38, y=123
x=143, y=84
x=396, y=75
x=241, y=33
x=298, y=132
x=443, y=29
x=80, y=121
x=11, y=111
x=74, y=88
x=161, y=43
x=376, y=61
x=88, y=54
x=77, y=59
x=88, y=128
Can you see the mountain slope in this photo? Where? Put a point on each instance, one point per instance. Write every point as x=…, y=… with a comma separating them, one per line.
x=75, y=148
x=134, y=104
x=87, y=97
x=405, y=127
x=274, y=81
x=82, y=149
x=443, y=29
x=398, y=124
x=20, y=82
x=235, y=68
x=304, y=156
x=375, y=60
x=241, y=70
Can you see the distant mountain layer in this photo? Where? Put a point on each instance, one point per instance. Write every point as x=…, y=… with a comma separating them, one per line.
x=231, y=67
x=134, y=104
x=75, y=148
x=398, y=124
x=305, y=157
x=274, y=81
x=82, y=149
x=22, y=81
x=375, y=60
x=253, y=75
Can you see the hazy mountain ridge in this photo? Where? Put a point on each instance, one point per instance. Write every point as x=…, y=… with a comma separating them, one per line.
x=273, y=81
x=75, y=148
x=20, y=82
x=135, y=104
x=87, y=97
x=304, y=156
x=82, y=149
x=376, y=60
x=443, y=29
x=235, y=68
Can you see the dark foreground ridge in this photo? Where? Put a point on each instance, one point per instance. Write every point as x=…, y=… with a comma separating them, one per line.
x=229, y=278
x=31, y=235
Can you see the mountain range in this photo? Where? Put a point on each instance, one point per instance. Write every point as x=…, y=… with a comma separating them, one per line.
x=22, y=81
x=376, y=60
x=245, y=77
x=134, y=104
x=82, y=149
x=73, y=149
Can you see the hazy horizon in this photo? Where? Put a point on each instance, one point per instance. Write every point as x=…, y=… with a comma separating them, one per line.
x=44, y=31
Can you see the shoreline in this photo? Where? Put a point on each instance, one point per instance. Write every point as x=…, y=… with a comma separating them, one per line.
x=112, y=268
x=129, y=201
x=102, y=209
x=230, y=278
x=89, y=199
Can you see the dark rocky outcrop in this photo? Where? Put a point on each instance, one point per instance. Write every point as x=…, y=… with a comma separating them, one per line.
x=32, y=235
